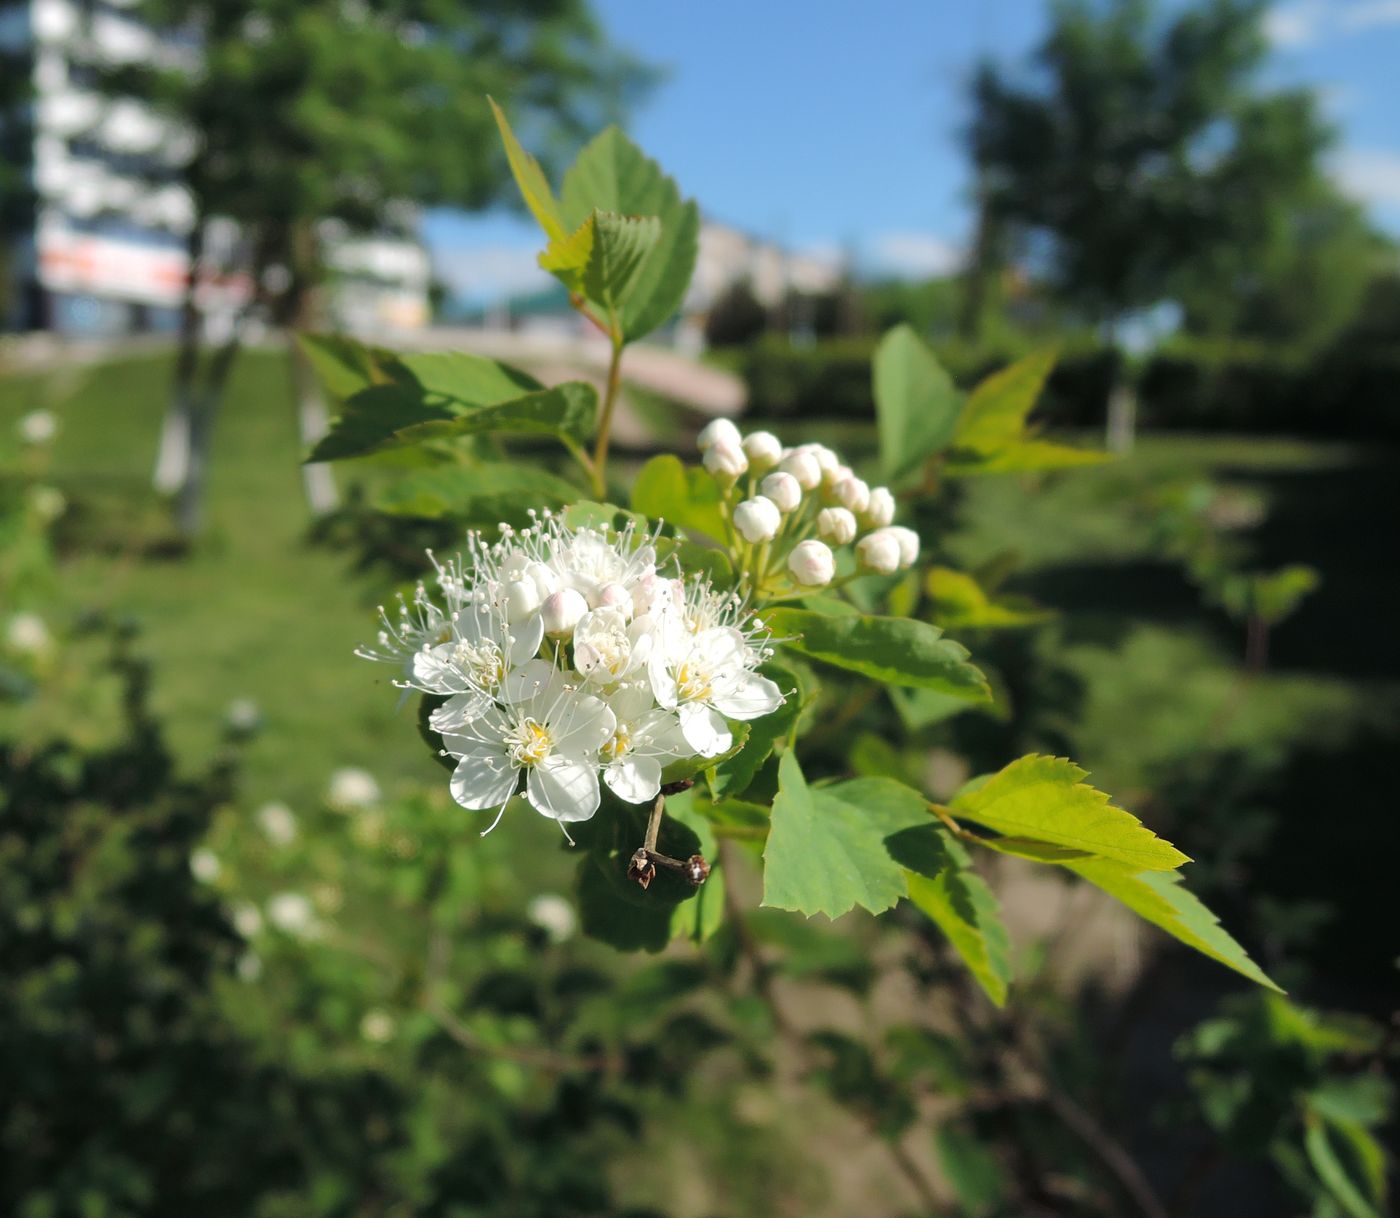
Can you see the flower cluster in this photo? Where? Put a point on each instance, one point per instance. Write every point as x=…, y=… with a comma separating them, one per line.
x=791, y=507
x=565, y=656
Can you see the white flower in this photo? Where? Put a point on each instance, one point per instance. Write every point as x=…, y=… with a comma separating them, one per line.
x=377, y=1027
x=552, y=737
x=205, y=866
x=27, y=634
x=47, y=503
x=243, y=715
x=352, y=788
x=247, y=921
x=608, y=648
x=726, y=461
x=879, y=552
x=561, y=611
x=852, y=494
x=879, y=511
x=783, y=489
x=590, y=560
x=908, y=544
x=554, y=915
x=278, y=823
x=812, y=563
x=825, y=458
x=37, y=427
x=249, y=966
x=706, y=677
x=292, y=913
x=763, y=449
x=804, y=467
x=836, y=525
x=644, y=741
x=720, y=431
x=757, y=519
x=473, y=667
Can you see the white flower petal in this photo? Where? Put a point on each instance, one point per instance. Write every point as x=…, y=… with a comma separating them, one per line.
x=528, y=681
x=526, y=637
x=704, y=730
x=483, y=779
x=634, y=780
x=584, y=724
x=563, y=788
x=748, y=696
x=458, y=711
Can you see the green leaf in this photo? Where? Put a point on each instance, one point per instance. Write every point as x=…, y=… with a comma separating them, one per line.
x=826, y=846
x=959, y=602
x=1160, y=897
x=996, y=411
x=568, y=409
x=1276, y=595
x=916, y=404
x=921, y=708
x=733, y=776
x=529, y=177
x=1044, y=799
x=694, y=559
x=343, y=365
x=1021, y=456
x=468, y=380
x=613, y=175
x=475, y=494
x=699, y=918
x=971, y=1169
x=943, y=885
x=894, y=650
x=1333, y=1172
x=685, y=496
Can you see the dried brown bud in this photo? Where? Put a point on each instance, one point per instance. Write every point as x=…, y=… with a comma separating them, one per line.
x=697, y=871
x=641, y=869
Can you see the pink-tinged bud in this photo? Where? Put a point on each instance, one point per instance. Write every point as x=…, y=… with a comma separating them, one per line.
x=726, y=461
x=832, y=474
x=784, y=490
x=561, y=611
x=880, y=510
x=757, y=519
x=615, y=596
x=763, y=449
x=803, y=467
x=824, y=457
x=812, y=563
x=908, y=544
x=879, y=552
x=719, y=431
x=836, y=525
x=852, y=494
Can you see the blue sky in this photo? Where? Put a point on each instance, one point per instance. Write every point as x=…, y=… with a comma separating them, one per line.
x=833, y=126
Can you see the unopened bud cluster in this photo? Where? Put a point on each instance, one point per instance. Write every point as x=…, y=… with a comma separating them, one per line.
x=791, y=508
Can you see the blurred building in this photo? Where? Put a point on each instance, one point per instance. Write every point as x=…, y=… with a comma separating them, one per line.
x=102, y=248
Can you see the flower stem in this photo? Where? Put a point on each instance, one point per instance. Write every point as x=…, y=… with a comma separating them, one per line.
x=610, y=393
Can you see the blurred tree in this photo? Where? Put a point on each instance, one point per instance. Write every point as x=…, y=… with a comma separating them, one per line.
x=1139, y=156
x=16, y=188
x=308, y=116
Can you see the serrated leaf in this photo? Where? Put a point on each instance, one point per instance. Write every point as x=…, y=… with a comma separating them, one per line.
x=733, y=776
x=916, y=403
x=475, y=494
x=685, y=496
x=894, y=650
x=567, y=409
x=612, y=174
x=826, y=845
x=959, y=602
x=997, y=409
x=529, y=177
x=1044, y=799
x=343, y=365
x=943, y=886
x=602, y=257
x=462, y=378
x=1161, y=898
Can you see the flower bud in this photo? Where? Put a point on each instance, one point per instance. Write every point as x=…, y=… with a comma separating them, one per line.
x=880, y=510
x=615, y=596
x=803, y=467
x=763, y=449
x=812, y=563
x=726, y=461
x=832, y=474
x=852, y=494
x=519, y=598
x=561, y=612
x=783, y=489
x=717, y=432
x=879, y=552
x=908, y=544
x=825, y=458
x=837, y=525
x=757, y=519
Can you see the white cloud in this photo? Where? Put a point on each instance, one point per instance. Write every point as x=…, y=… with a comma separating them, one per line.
x=486, y=273
x=1295, y=25
x=1370, y=175
x=914, y=255
x=1371, y=13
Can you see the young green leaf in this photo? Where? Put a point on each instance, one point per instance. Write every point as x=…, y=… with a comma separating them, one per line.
x=943, y=885
x=1160, y=897
x=997, y=409
x=1333, y=1171
x=613, y=175
x=1044, y=799
x=343, y=365
x=620, y=248
x=1021, y=457
x=916, y=404
x=894, y=650
x=529, y=177
x=826, y=847
x=665, y=489
x=960, y=602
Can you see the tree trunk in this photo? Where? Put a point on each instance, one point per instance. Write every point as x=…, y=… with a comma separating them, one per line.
x=300, y=316
x=173, y=460
x=189, y=506
x=1120, y=427
x=980, y=267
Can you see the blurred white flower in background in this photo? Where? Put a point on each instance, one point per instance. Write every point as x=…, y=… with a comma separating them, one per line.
x=554, y=915
x=205, y=866
x=377, y=1026
x=47, y=503
x=27, y=634
x=278, y=823
x=351, y=788
x=292, y=912
x=243, y=716
x=249, y=966
x=247, y=921
x=37, y=427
